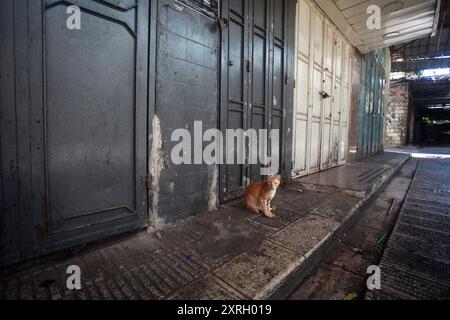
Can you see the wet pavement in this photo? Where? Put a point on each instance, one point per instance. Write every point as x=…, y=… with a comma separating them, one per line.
x=416, y=262
x=227, y=254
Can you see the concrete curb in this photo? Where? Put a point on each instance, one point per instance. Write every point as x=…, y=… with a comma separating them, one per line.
x=317, y=253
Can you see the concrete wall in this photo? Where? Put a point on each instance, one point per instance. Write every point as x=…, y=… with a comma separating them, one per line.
x=397, y=115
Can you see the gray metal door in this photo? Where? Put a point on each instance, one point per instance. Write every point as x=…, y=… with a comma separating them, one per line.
x=253, y=79
x=186, y=91
x=84, y=122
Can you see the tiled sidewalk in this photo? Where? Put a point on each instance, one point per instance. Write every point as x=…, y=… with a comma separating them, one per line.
x=228, y=254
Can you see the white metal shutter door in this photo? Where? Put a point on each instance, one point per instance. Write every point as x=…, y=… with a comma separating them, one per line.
x=327, y=103
x=337, y=95
x=343, y=136
x=301, y=97
x=316, y=107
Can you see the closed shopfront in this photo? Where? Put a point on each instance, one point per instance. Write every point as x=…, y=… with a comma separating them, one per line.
x=322, y=92
x=371, y=103
x=256, y=81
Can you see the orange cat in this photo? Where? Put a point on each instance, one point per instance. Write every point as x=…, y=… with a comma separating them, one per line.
x=259, y=194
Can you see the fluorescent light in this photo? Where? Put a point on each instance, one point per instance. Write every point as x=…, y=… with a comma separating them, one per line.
x=391, y=35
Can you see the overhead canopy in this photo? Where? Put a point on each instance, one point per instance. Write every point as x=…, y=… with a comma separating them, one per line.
x=401, y=21
x=426, y=53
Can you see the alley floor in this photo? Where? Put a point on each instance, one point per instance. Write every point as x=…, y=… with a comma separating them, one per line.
x=414, y=262
x=342, y=274
x=228, y=254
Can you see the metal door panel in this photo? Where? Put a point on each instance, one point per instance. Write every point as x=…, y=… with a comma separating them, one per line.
x=89, y=139
x=375, y=111
x=316, y=97
x=302, y=90
x=370, y=107
x=237, y=88
x=371, y=115
x=301, y=116
x=318, y=39
x=327, y=103
x=10, y=240
x=300, y=152
x=315, y=121
x=342, y=143
x=303, y=27
x=362, y=106
x=335, y=145
x=259, y=76
x=326, y=122
x=278, y=92
x=325, y=150
x=259, y=43
x=186, y=96
x=254, y=51
x=343, y=135
x=338, y=57
x=329, y=53
x=337, y=101
x=313, y=162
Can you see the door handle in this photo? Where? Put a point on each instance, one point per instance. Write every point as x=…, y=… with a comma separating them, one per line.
x=248, y=65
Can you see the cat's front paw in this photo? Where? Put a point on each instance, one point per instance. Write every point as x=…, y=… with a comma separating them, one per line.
x=270, y=215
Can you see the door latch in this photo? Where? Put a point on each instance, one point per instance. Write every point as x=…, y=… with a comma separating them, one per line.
x=324, y=95
x=223, y=22
x=248, y=65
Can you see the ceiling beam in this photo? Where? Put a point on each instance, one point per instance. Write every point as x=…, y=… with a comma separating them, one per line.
x=436, y=18
x=385, y=23
x=423, y=6
x=400, y=39
x=413, y=22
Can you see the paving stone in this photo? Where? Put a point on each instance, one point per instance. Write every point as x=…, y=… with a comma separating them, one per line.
x=303, y=235
x=257, y=273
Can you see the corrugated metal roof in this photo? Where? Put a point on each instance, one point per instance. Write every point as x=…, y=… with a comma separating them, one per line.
x=426, y=53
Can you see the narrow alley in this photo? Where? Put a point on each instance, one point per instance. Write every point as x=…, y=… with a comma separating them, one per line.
x=256, y=150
